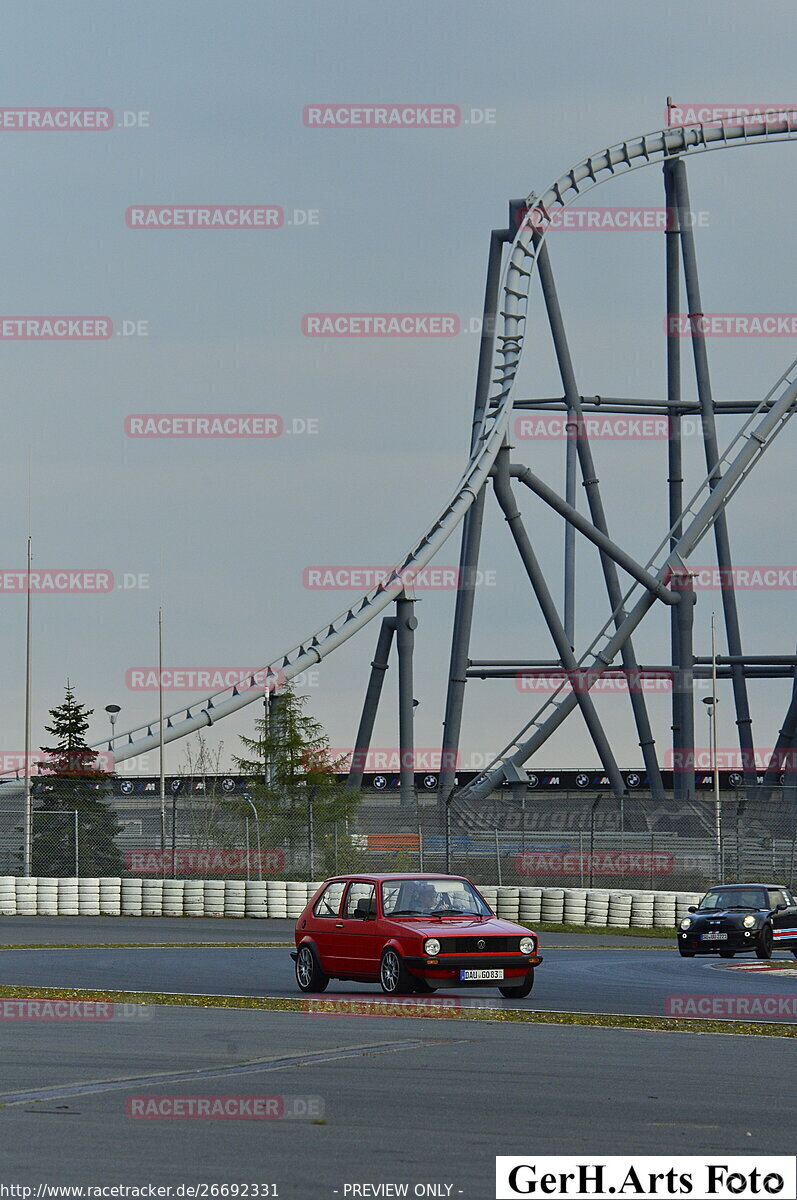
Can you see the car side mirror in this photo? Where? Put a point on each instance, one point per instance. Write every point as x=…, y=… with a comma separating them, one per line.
x=781, y=908
x=691, y=908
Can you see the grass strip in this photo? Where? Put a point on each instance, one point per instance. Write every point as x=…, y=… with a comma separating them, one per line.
x=323, y=1005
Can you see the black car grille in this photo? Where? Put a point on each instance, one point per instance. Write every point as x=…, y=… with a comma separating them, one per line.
x=471, y=945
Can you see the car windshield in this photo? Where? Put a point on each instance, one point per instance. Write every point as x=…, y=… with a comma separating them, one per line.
x=419, y=897
x=719, y=898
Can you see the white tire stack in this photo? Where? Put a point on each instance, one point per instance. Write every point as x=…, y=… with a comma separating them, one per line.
x=277, y=898
x=552, y=908
x=597, y=912
x=152, y=898
x=683, y=901
x=664, y=910
x=173, y=890
x=508, y=903
x=8, y=896
x=490, y=893
x=256, y=904
x=26, y=889
x=530, y=906
x=194, y=898
x=47, y=897
x=620, y=910
x=88, y=897
x=575, y=906
x=235, y=898
x=110, y=895
x=642, y=909
x=132, y=890
x=214, y=897
x=296, y=898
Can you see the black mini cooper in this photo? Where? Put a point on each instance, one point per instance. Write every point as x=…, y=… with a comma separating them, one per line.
x=738, y=918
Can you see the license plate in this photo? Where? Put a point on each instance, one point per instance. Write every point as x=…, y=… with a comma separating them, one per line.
x=714, y=936
x=473, y=974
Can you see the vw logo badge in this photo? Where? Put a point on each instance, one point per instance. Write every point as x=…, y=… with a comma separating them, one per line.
x=480, y=945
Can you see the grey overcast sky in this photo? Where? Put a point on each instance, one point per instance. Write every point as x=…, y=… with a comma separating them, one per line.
x=221, y=531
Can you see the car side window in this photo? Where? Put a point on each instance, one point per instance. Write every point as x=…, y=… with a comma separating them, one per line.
x=360, y=901
x=328, y=903
x=777, y=897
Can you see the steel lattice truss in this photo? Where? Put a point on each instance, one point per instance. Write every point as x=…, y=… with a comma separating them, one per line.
x=517, y=254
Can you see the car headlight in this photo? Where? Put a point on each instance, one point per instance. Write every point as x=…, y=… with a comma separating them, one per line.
x=685, y=924
x=527, y=945
x=749, y=921
x=431, y=946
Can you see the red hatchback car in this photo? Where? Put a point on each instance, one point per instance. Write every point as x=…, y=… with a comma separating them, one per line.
x=411, y=933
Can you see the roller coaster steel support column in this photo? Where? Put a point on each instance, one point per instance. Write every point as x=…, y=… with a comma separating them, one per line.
x=684, y=683
x=783, y=753
x=373, y=693
x=506, y=499
x=471, y=528
x=406, y=624
x=721, y=537
x=595, y=502
x=674, y=448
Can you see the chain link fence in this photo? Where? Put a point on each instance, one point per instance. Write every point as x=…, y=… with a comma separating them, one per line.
x=216, y=829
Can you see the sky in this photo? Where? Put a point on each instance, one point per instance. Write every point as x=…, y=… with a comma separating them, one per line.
x=207, y=102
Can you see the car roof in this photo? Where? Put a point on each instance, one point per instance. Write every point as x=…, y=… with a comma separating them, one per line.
x=780, y=886
x=379, y=876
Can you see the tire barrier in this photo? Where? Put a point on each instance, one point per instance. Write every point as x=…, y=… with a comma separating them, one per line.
x=47, y=897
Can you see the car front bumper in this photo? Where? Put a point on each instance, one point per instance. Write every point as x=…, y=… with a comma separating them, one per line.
x=448, y=966
x=737, y=940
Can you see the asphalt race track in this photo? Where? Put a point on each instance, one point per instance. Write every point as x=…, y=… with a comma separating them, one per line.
x=381, y=1099
x=620, y=978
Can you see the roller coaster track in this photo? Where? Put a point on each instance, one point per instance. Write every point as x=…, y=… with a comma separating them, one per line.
x=645, y=150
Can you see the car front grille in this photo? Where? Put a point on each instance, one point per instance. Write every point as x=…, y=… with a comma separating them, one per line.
x=470, y=945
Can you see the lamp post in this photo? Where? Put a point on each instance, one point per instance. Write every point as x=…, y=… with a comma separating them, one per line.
x=250, y=802
x=711, y=710
x=113, y=711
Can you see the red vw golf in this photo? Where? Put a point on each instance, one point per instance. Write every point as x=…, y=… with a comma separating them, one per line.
x=412, y=933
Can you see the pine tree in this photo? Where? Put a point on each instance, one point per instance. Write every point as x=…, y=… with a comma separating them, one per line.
x=71, y=780
x=304, y=809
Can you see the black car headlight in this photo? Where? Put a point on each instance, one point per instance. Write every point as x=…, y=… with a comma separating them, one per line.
x=750, y=921
x=431, y=946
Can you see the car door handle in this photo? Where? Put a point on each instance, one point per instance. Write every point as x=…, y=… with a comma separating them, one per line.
x=338, y=924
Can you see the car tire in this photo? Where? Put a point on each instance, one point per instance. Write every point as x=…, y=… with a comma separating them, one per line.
x=519, y=991
x=687, y=953
x=394, y=978
x=763, y=946
x=727, y=953
x=309, y=976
